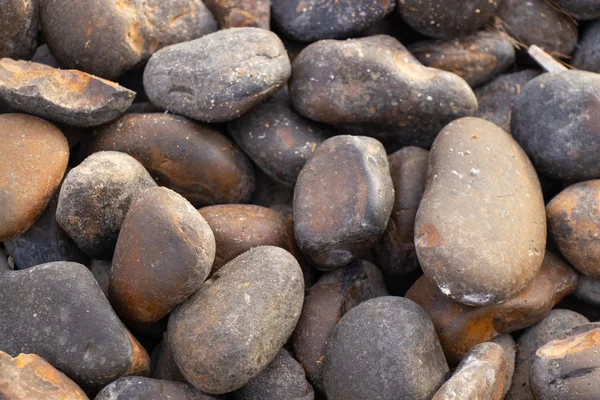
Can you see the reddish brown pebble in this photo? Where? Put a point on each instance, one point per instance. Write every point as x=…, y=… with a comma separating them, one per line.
x=164, y=253
x=197, y=162
x=30, y=377
x=395, y=250
x=461, y=327
x=574, y=223
x=114, y=36
x=476, y=58
x=241, y=13
x=19, y=34
x=342, y=201
x=480, y=375
x=34, y=156
x=465, y=215
x=336, y=293
x=67, y=96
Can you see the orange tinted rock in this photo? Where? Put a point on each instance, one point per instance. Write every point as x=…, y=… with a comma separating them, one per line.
x=197, y=162
x=240, y=13
x=29, y=376
x=460, y=327
x=19, y=34
x=119, y=34
x=68, y=96
x=164, y=253
x=574, y=223
x=34, y=156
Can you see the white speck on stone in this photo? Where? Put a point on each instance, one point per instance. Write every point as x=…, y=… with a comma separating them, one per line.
x=454, y=172
x=474, y=171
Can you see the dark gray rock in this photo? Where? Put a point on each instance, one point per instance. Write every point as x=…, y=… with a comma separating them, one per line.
x=19, y=33
x=140, y=388
x=588, y=291
x=587, y=53
x=385, y=348
x=219, y=77
x=581, y=9
x=308, y=21
x=95, y=197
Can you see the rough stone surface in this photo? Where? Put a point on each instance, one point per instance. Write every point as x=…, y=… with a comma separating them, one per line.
x=395, y=250
x=277, y=138
x=34, y=156
x=554, y=326
x=336, y=293
x=140, y=388
x=311, y=20
x=447, y=18
x=554, y=31
x=19, y=22
x=284, y=378
x=54, y=298
x=496, y=98
x=66, y=96
x=29, y=376
x=480, y=375
x=164, y=253
x=556, y=118
x=236, y=323
x=138, y=28
x=461, y=327
x=95, y=197
x=163, y=365
x=241, y=13
x=385, y=348
x=373, y=86
x=476, y=58
x=466, y=215
x=354, y=171
x=219, y=77
x=195, y=161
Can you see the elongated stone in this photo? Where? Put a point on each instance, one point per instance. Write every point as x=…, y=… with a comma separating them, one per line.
x=67, y=96
x=505, y=251
x=353, y=170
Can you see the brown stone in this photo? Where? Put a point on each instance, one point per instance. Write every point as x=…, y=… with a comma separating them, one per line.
x=395, y=250
x=574, y=223
x=29, y=377
x=19, y=34
x=67, y=96
x=476, y=58
x=507, y=342
x=480, y=375
x=118, y=35
x=460, y=327
x=195, y=161
x=326, y=302
x=164, y=253
x=241, y=13
x=481, y=242
x=34, y=156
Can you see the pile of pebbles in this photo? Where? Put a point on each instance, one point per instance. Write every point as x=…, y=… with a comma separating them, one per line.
x=299, y=199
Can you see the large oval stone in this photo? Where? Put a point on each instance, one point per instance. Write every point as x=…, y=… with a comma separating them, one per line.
x=235, y=324
x=354, y=171
x=197, y=162
x=164, y=252
x=481, y=242
x=34, y=156
x=219, y=77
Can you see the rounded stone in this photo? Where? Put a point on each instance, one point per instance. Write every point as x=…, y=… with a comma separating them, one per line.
x=34, y=156
x=586, y=55
x=556, y=121
x=197, y=162
x=308, y=21
x=140, y=388
x=164, y=253
x=466, y=215
x=236, y=323
x=580, y=9
x=354, y=171
x=385, y=348
x=447, y=18
x=137, y=30
x=219, y=77
x=19, y=35
x=374, y=87
x=95, y=197
x=395, y=250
